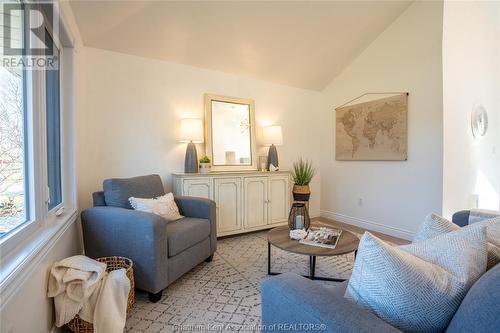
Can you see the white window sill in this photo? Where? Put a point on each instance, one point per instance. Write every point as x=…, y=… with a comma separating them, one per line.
x=16, y=266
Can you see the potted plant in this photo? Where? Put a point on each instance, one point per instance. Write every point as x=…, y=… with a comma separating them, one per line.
x=204, y=164
x=302, y=174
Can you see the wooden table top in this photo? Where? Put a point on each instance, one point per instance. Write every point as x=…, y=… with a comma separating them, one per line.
x=280, y=237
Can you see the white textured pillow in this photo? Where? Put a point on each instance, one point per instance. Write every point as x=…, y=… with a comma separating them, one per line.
x=164, y=206
x=417, y=287
x=435, y=225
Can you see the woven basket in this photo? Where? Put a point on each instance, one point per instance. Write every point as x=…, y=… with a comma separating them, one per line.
x=79, y=325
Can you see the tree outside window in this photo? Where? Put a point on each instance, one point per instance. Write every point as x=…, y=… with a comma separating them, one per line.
x=12, y=182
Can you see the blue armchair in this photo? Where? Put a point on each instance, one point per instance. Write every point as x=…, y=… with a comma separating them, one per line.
x=161, y=250
x=291, y=302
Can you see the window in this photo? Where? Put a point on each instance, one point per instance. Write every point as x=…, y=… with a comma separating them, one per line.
x=13, y=143
x=53, y=128
x=31, y=168
x=36, y=133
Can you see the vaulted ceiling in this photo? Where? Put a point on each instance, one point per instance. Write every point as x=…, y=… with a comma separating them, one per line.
x=298, y=43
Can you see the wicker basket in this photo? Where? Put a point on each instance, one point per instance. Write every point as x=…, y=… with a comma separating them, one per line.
x=81, y=326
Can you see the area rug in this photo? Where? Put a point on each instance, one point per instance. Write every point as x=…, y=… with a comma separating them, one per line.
x=224, y=295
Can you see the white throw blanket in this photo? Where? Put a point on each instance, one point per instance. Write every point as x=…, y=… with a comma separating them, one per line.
x=80, y=285
x=72, y=281
x=111, y=308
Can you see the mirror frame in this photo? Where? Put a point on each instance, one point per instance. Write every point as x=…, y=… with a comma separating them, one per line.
x=208, y=132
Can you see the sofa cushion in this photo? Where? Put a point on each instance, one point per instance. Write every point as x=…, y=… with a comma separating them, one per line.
x=417, y=287
x=186, y=232
x=291, y=303
x=118, y=190
x=479, y=311
x=435, y=225
x=339, y=289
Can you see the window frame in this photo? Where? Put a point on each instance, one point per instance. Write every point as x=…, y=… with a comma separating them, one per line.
x=31, y=162
x=53, y=212
x=39, y=218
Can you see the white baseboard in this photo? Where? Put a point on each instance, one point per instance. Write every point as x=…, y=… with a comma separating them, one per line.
x=314, y=214
x=369, y=225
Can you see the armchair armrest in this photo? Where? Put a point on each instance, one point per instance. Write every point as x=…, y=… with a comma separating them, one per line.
x=289, y=299
x=200, y=208
x=466, y=217
x=461, y=218
x=140, y=236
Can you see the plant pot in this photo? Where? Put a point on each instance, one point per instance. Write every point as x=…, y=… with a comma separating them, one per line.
x=205, y=167
x=301, y=192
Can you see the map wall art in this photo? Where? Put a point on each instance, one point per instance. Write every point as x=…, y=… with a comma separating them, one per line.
x=373, y=131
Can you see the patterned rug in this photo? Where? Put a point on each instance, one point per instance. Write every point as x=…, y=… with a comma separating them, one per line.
x=224, y=295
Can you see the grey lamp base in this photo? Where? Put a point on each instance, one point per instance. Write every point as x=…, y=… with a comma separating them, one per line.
x=272, y=157
x=191, y=160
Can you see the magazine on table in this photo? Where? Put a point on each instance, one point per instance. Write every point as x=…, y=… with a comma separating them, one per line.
x=322, y=237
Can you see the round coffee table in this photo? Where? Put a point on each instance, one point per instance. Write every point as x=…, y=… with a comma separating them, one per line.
x=280, y=237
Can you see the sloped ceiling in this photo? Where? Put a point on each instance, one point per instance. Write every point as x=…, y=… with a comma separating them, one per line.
x=303, y=44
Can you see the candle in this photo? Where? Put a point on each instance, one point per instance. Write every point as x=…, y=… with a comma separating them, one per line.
x=299, y=222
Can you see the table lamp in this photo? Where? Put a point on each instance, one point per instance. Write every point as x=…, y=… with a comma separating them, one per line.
x=191, y=132
x=272, y=137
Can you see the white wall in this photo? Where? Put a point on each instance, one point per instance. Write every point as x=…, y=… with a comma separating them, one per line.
x=396, y=195
x=471, y=75
x=29, y=309
x=130, y=107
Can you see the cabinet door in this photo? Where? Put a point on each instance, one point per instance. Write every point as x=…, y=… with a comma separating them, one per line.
x=255, y=202
x=227, y=195
x=279, y=198
x=201, y=188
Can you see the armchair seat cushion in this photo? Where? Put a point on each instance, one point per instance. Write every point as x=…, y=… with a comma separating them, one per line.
x=186, y=232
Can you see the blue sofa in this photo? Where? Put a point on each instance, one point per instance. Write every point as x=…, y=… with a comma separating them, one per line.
x=291, y=302
x=161, y=250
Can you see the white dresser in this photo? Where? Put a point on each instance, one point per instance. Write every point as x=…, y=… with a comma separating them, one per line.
x=246, y=201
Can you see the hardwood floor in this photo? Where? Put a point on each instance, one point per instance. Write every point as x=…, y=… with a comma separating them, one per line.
x=395, y=240
x=359, y=230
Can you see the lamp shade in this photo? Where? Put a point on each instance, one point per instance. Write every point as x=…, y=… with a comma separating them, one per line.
x=191, y=130
x=272, y=135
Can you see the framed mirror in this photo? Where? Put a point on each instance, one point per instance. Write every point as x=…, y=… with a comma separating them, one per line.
x=230, y=133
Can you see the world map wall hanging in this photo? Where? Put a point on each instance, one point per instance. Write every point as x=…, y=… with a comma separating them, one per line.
x=376, y=130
